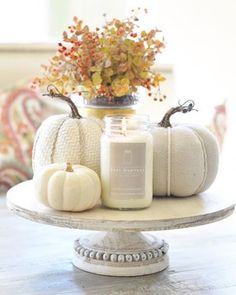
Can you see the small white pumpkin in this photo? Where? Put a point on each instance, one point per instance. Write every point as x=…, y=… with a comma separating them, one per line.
x=67, y=188
x=67, y=138
x=185, y=157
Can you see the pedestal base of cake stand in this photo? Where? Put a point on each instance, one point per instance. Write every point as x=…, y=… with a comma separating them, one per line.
x=120, y=253
x=116, y=244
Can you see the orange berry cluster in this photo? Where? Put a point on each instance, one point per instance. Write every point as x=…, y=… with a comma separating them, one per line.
x=112, y=61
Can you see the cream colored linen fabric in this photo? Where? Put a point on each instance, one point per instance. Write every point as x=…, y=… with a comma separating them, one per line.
x=185, y=162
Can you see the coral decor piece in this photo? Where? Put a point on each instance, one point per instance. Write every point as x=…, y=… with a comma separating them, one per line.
x=108, y=64
x=20, y=115
x=219, y=123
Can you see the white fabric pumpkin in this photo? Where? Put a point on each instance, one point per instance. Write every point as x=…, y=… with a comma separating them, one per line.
x=185, y=157
x=64, y=138
x=67, y=188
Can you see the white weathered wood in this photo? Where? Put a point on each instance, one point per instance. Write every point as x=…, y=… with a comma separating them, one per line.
x=36, y=259
x=164, y=213
x=108, y=254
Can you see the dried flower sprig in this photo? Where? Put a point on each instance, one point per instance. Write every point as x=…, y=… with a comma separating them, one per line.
x=112, y=62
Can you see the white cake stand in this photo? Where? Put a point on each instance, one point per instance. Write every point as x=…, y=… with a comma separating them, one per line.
x=118, y=247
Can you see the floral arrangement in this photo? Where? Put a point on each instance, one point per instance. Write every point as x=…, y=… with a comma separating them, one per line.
x=109, y=62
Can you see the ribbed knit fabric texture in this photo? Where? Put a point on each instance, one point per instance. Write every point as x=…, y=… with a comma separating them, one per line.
x=185, y=162
x=63, y=139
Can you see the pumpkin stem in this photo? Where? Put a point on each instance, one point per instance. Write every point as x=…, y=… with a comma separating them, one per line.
x=186, y=107
x=69, y=167
x=54, y=92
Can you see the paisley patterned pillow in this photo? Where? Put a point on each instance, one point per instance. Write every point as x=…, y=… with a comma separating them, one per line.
x=219, y=123
x=21, y=112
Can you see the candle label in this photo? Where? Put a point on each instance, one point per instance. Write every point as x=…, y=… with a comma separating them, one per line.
x=127, y=170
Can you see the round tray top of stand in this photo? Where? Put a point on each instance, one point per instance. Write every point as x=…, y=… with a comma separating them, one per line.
x=164, y=213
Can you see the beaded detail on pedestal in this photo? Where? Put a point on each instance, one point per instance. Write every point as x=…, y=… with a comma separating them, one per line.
x=155, y=253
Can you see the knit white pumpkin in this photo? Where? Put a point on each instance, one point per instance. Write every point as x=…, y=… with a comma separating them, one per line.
x=67, y=188
x=185, y=157
x=64, y=138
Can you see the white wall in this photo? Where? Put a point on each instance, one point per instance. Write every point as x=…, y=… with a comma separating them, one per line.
x=201, y=45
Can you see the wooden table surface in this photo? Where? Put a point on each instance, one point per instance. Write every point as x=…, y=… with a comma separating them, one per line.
x=203, y=261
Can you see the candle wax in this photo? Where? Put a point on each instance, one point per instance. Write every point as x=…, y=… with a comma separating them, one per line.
x=126, y=169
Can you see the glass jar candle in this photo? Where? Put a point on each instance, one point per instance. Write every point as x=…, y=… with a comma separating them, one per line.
x=126, y=162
